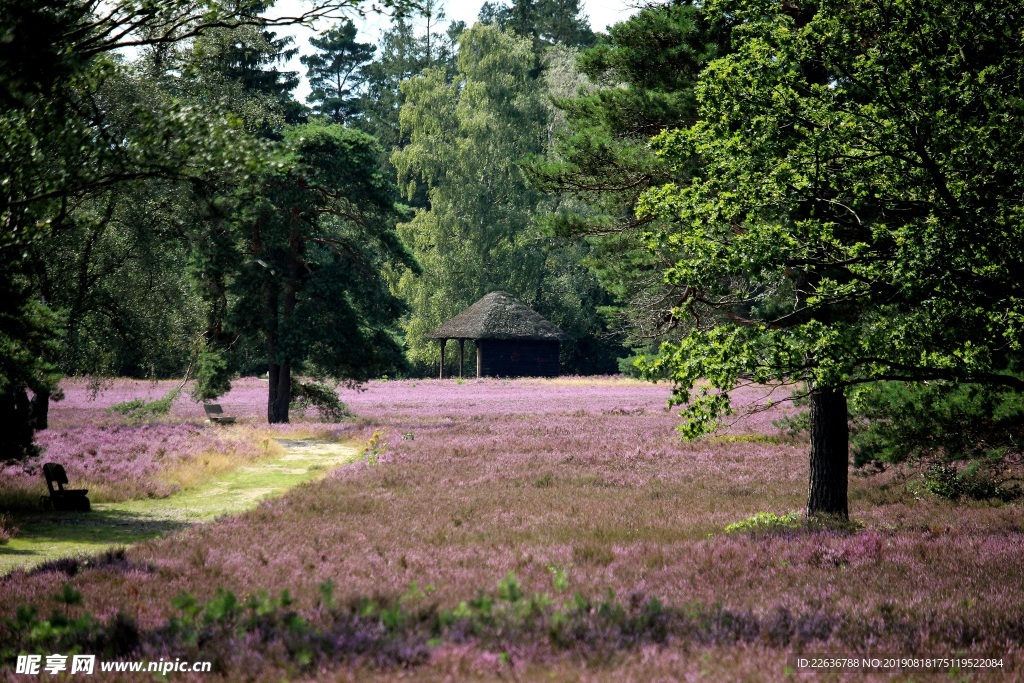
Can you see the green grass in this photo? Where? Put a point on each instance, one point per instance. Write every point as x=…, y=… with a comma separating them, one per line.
x=51, y=535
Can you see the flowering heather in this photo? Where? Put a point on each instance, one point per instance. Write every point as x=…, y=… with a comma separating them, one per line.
x=118, y=458
x=583, y=486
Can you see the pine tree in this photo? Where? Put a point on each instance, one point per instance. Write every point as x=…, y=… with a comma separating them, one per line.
x=335, y=72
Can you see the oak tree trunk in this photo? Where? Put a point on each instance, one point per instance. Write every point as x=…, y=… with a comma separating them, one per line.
x=830, y=448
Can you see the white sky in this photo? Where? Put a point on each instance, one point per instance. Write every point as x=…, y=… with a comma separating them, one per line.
x=602, y=13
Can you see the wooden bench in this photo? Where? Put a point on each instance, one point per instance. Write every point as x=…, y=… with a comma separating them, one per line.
x=61, y=498
x=215, y=414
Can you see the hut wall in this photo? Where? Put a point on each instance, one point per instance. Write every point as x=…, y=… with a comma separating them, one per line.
x=517, y=358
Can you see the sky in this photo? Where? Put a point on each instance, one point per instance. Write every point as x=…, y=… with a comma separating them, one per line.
x=601, y=13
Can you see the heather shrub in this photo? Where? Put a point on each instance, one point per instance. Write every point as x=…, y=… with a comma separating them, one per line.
x=590, y=553
x=389, y=633
x=22, y=489
x=115, y=559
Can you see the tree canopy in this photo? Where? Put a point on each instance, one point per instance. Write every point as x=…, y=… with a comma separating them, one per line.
x=336, y=70
x=75, y=141
x=851, y=206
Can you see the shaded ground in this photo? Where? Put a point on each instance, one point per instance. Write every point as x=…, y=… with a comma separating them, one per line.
x=49, y=535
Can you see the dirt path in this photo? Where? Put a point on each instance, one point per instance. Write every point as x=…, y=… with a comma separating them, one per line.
x=47, y=536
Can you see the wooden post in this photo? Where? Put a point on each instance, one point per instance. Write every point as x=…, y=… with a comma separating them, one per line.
x=462, y=344
x=443, y=341
x=479, y=357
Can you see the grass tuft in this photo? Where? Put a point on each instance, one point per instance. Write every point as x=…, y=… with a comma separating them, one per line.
x=767, y=523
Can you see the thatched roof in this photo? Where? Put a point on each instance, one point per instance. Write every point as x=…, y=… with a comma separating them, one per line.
x=498, y=315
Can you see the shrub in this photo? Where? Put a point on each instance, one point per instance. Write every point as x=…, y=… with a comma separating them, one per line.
x=796, y=424
x=948, y=482
x=323, y=397
x=764, y=523
x=140, y=409
x=375, y=447
x=7, y=529
x=628, y=366
x=212, y=376
x=894, y=422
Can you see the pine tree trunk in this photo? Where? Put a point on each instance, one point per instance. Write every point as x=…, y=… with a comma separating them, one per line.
x=41, y=410
x=16, y=434
x=830, y=448
x=278, y=373
x=280, y=392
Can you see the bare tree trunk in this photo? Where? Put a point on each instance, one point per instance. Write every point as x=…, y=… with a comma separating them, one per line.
x=830, y=453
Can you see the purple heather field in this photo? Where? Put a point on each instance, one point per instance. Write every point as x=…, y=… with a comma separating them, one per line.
x=120, y=459
x=582, y=478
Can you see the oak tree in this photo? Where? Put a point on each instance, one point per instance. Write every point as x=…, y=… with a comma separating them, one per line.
x=851, y=204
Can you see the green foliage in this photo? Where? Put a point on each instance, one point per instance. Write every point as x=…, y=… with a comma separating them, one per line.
x=402, y=54
x=640, y=80
x=84, y=144
x=766, y=523
x=375, y=447
x=465, y=139
x=559, y=578
x=509, y=589
x=895, y=422
x=971, y=482
x=468, y=135
x=212, y=376
x=240, y=66
x=832, y=218
x=117, y=637
x=141, y=409
x=299, y=266
x=545, y=22
x=798, y=422
x=335, y=70
x=321, y=396
x=7, y=529
x=69, y=595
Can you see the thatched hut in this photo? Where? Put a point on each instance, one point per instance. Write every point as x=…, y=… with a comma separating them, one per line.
x=511, y=339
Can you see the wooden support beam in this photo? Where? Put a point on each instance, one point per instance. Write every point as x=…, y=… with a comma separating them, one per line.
x=443, y=342
x=479, y=357
x=462, y=344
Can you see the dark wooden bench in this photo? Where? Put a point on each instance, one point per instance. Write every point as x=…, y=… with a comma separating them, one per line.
x=61, y=498
x=214, y=413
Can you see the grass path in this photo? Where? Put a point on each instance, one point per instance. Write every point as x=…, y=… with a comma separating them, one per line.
x=48, y=536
